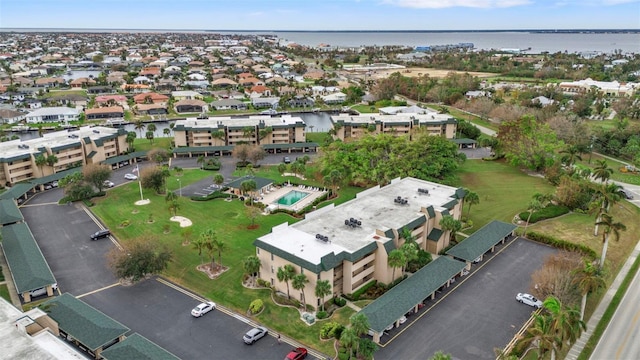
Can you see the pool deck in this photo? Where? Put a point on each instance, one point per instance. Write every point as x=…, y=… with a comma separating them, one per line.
x=275, y=193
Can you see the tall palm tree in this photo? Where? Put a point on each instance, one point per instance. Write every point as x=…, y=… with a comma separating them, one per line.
x=471, y=198
x=131, y=137
x=610, y=228
x=541, y=336
x=602, y=171
x=588, y=279
x=570, y=155
x=285, y=274
x=200, y=160
x=396, y=259
x=151, y=127
x=534, y=205
x=251, y=266
x=299, y=282
x=450, y=224
x=166, y=132
x=349, y=339
x=199, y=245
x=40, y=161
x=219, y=246
x=209, y=237
x=51, y=161
x=565, y=322
x=360, y=325
x=333, y=180
x=605, y=196
x=139, y=126
x=323, y=288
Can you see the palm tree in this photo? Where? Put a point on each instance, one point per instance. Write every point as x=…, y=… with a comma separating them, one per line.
x=166, y=132
x=410, y=251
x=251, y=266
x=52, y=160
x=40, y=161
x=349, y=339
x=299, y=282
x=247, y=187
x=396, y=259
x=589, y=279
x=333, y=180
x=471, y=198
x=200, y=160
x=540, y=335
x=139, y=126
x=448, y=223
x=323, y=288
x=534, y=205
x=610, y=227
x=407, y=235
x=218, y=179
x=565, y=322
x=570, y=155
x=151, y=127
x=605, y=196
x=199, y=244
x=171, y=196
x=360, y=326
x=209, y=237
x=298, y=168
x=602, y=171
x=131, y=137
x=174, y=207
x=285, y=274
x=219, y=246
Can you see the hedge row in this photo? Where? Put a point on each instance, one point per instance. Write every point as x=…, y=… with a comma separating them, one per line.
x=356, y=295
x=548, y=212
x=218, y=194
x=561, y=244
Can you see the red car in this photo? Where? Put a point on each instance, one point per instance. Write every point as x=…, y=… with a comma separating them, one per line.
x=297, y=354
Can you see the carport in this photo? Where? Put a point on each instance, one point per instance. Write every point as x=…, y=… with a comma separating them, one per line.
x=137, y=347
x=28, y=266
x=291, y=148
x=86, y=327
x=130, y=157
x=18, y=191
x=475, y=246
x=9, y=213
x=54, y=177
x=409, y=293
x=465, y=143
x=190, y=151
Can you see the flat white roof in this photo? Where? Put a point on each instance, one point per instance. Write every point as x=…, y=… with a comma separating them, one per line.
x=227, y=121
x=374, y=208
x=18, y=345
x=58, y=110
x=59, y=138
x=397, y=118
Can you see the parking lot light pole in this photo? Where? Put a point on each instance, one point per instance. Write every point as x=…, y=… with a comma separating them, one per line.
x=180, y=186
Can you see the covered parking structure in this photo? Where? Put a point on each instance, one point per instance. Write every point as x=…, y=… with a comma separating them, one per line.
x=301, y=147
x=9, y=213
x=473, y=248
x=19, y=192
x=40, y=182
x=84, y=326
x=129, y=158
x=28, y=266
x=410, y=293
x=191, y=151
x=137, y=346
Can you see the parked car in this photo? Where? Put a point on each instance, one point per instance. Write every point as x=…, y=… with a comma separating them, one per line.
x=297, y=354
x=203, y=308
x=254, y=335
x=100, y=234
x=54, y=184
x=130, y=176
x=286, y=160
x=529, y=299
x=109, y=183
x=42, y=291
x=48, y=186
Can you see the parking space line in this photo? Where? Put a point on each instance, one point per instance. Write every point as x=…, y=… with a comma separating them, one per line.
x=41, y=204
x=97, y=290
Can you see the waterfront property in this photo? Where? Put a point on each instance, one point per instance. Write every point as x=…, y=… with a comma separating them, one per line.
x=86, y=145
x=348, y=127
x=349, y=245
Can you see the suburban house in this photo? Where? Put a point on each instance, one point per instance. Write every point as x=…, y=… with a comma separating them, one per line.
x=190, y=106
x=335, y=98
x=228, y=104
x=347, y=126
x=610, y=88
x=186, y=95
x=349, y=244
x=150, y=98
x=107, y=112
x=86, y=145
x=53, y=114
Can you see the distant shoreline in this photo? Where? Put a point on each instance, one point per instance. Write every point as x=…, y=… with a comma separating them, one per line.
x=535, y=31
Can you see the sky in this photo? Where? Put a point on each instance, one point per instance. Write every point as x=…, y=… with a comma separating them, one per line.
x=321, y=14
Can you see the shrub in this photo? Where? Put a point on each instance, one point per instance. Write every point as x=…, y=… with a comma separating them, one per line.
x=561, y=244
x=339, y=301
x=213, y=195
x=321, y=315
x=548, y=212
x=423, y=259
x=356, y=295
x=331, y=330
x=263, y=283
x=256, y=306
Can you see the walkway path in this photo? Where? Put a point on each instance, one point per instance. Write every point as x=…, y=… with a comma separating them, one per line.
x=353, y=306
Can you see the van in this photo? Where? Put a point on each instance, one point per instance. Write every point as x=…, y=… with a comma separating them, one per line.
x=100, y=234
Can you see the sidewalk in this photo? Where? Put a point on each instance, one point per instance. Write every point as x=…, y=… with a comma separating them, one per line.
x=577, y=348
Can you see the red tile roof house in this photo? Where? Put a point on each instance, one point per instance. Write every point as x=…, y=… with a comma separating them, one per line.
x=108, y=112
x=150, y=72
x=82, y=82
x=259, y=90
x=151, y=109
x=111, y=100
x=251, y=81
x=150, y=98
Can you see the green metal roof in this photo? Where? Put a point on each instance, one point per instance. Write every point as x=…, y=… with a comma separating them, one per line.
x=137, y=347
x=396, y=302
x=481, y=241
x=464, y=141
x=389, y=246
x=129, y=156
x=57, y=176
x=27, y=264
x=14, y=158
x=450, y=204
x=290, y=146
x=415, y=223
x=86, y=324
x=260, y=182
x=435, y=234
x=9, y=212
x=200, y=149
x=91, y=154
x=460, y=193
x=66, y=146
x=17, y=190
x=431, y=211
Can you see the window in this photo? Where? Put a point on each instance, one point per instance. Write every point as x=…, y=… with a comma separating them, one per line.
x=257, y=251
x=271, y=257
x=272, y=283
x=318, y=276
x=272, y=269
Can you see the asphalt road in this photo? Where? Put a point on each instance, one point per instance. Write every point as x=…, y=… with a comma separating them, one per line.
x=480, y=314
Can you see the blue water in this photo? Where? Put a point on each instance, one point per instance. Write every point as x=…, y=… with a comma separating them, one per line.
x=291, y=197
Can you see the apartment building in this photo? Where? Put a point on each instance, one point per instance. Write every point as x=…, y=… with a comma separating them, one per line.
x=348, y=127
x=86, y=145
x=197, y=135
x=349, y=244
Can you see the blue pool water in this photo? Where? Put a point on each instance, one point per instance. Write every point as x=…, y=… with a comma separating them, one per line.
x=291, y=197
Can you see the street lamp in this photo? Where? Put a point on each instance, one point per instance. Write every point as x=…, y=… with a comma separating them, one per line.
x=180, y=186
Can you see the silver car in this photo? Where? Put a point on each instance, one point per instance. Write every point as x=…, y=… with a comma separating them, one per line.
x=529, y=299
x=254, y=335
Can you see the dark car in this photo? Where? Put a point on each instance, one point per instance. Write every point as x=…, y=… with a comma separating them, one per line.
x=626, y=194
x=100, y=234
x=286, y=160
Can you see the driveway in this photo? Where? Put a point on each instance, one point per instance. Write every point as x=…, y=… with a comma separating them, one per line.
x=480, y=314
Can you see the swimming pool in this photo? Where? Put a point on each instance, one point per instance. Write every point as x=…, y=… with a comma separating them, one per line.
x=291, y=197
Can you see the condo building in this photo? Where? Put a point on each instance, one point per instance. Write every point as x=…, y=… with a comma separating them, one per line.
x=348, y=127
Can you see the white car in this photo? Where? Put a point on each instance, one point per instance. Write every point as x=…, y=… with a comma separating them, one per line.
x=529, y=299
x=108, y=183
x=203, y=308
x=254, y=335
x=130, y=176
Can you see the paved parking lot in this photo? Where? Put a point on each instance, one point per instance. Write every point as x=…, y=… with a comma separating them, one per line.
x=480, y=314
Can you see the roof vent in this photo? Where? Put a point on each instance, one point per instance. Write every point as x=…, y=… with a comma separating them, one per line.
x=96, y=131
x=423, y=191
x=401, y=201
x=322, y=238
x=351, y=222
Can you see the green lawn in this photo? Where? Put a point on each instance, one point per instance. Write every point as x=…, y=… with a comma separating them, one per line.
x=617, y=175
x=4, y=293
x=504, y=191
x=143, y=144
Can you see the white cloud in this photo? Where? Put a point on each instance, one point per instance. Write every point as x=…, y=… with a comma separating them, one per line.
x=439, y=4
